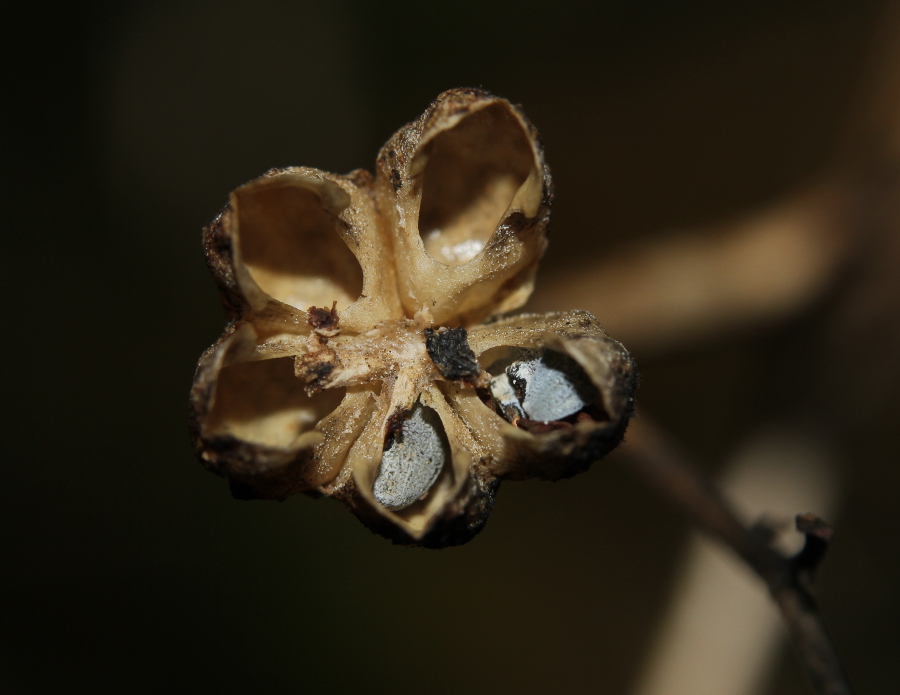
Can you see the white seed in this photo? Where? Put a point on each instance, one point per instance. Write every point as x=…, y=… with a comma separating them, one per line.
x=546, y=385
x=413, y=460
x=505, y=396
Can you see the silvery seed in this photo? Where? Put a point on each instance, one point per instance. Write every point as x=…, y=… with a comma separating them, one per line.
x=546, y=385
x=413, y=459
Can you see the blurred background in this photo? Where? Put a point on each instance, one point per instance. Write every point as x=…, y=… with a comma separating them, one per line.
x=727, y=205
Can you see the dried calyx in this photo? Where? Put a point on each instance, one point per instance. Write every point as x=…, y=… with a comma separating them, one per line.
x=364, y=359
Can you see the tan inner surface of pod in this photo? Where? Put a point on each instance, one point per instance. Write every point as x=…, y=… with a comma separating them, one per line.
x=472, y=174
x=291, y=246
x=483, y=423
x=497, y=354
x=501, y=353
x=341, y=428
x=264, y=403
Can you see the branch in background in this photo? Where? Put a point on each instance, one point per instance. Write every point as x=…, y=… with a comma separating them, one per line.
x=678, y=290
x=721, y=634
x=787, y=578
x=684, y=288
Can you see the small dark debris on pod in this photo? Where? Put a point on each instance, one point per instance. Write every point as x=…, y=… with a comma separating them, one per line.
x=324, y=321
x=449, y=350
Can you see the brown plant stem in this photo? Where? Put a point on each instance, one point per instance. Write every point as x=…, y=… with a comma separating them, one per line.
x=657, y=461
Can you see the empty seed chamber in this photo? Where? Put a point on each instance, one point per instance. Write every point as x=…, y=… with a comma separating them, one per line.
x=371, y=353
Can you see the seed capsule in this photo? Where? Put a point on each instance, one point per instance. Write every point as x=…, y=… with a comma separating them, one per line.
x=413, y=459
x=543, y=384
x=361, y=312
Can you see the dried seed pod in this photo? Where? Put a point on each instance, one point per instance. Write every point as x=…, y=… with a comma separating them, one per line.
x=254, y=423
x=470, y=198
x=592, y=362
x=358, y=363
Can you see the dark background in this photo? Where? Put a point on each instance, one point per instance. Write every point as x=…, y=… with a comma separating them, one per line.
x=127, y=568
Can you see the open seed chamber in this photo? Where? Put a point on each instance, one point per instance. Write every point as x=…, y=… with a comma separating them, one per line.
x=371, y=356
